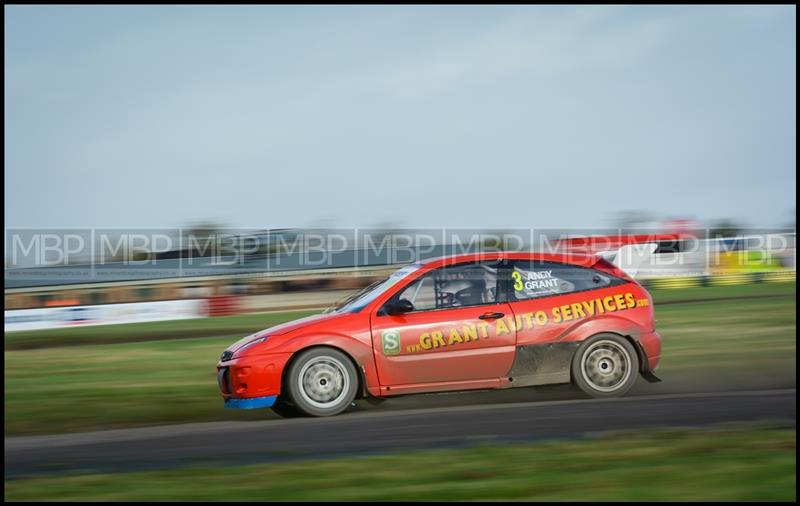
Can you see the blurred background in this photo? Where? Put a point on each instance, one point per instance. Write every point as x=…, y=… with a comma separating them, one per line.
x=178, y=177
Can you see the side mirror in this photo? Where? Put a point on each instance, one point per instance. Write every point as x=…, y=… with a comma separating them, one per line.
x=399, y=307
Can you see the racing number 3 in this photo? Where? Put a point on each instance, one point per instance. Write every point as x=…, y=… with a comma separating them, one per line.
x=517, y=281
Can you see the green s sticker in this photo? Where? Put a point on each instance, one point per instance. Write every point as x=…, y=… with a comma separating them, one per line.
x=391, y=342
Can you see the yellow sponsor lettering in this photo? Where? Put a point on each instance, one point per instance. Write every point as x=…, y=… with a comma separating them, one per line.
x=438, y=339
x=528, y=317
x=501, y=328
x=563, y=313
x=470, y=333
x=425, y=341
x=455, y=337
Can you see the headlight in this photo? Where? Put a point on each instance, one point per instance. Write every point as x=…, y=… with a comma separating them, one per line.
x=251, y=343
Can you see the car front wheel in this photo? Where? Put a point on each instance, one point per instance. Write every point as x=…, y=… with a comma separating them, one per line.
x=321, y=382
x=605, y=365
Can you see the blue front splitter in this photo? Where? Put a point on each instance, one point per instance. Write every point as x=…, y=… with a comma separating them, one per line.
x=252, y=403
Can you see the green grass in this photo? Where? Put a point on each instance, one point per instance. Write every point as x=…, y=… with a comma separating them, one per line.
x=739, y=343
x=740, y=336
x=79, y=388
x=671, y=295
x=729, y=463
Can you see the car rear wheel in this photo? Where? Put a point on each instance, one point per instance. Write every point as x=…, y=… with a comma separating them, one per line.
x=605, y=365
x=321, y=382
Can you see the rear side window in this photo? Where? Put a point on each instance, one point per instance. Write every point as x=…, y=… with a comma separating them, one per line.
x=535, y=279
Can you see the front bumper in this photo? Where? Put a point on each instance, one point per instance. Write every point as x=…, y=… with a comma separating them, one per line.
x=251, y=382
x=251, y=403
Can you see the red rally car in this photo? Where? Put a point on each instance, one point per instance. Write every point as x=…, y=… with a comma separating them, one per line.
x=474, y=321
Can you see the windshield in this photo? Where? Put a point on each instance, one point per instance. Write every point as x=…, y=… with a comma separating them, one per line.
x=359, y=299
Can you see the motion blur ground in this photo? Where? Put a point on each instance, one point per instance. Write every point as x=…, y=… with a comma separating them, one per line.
x=731, y=462
x=727, y=339
x=743, y=342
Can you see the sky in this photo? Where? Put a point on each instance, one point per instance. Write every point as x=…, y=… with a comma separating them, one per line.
x=470, y=116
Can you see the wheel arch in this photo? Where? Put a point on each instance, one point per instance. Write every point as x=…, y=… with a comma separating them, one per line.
x=611, y=324
x=361, y=392
x=630, y=337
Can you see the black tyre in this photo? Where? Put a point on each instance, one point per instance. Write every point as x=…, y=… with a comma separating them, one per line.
x=321, y=382
x=605, y=365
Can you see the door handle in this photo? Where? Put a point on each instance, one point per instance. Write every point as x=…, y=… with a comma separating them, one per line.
x=491, y=316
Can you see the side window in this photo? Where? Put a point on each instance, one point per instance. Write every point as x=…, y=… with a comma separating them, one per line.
x=455, y=286
x=533, y=279
x=421, y=293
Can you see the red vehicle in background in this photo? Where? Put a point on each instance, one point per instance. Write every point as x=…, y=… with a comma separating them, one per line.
x=475, y=321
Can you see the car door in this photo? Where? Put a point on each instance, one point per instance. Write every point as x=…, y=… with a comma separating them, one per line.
x=548, y=298
x=458, y=329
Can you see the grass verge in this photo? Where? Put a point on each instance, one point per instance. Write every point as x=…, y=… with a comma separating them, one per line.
x=728, y=463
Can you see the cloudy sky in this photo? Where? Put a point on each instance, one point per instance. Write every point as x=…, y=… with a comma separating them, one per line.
x=515, y=116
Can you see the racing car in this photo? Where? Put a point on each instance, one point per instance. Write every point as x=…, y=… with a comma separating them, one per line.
x=462, y=322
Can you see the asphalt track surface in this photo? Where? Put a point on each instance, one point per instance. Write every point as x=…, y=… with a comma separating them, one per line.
x=387, y=427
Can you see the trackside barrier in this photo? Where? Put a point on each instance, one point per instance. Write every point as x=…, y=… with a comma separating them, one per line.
x=678, y=282
x=733, y=279
x=779, y=276
x=223, y=305
x=104, y=314
x=720, y=280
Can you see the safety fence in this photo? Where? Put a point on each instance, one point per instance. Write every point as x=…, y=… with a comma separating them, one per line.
x=741, y=278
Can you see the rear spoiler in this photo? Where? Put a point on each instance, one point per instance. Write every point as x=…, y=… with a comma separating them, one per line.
x=630, y=257
x=625, y=252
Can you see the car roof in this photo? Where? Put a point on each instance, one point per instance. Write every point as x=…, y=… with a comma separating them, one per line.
x=582, y=260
